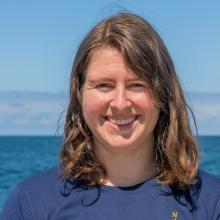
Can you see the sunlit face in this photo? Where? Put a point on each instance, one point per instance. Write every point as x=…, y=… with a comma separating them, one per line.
x=117, y=105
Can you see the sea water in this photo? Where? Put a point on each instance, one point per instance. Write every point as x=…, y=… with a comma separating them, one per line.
x=25, y=156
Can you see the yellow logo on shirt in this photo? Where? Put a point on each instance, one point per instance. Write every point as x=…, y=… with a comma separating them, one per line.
x=174, y=215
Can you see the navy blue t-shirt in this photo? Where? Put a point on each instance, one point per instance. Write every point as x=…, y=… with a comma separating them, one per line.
x=47, y=197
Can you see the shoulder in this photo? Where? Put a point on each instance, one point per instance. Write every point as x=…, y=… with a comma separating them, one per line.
x=209, y=183
x=43, y=187
x=32, y=195
x=43, y=181
x=209, y=194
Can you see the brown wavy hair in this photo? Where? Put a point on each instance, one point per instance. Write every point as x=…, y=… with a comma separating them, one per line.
x=175, y=148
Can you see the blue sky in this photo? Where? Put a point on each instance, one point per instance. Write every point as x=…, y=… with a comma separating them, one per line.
x=38, y=41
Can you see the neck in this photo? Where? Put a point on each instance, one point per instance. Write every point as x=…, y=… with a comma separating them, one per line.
x=126, y=167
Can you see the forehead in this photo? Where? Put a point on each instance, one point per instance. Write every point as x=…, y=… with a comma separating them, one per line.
x=108, y=62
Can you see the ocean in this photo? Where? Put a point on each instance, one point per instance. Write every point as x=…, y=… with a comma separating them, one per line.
x=25, y=156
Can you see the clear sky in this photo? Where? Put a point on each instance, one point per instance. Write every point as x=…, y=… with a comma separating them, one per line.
x=38, y=39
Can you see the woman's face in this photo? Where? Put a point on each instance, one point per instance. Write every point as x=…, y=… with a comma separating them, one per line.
x=117, y=105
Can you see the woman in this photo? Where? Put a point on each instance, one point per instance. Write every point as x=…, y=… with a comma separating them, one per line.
x=128, y=152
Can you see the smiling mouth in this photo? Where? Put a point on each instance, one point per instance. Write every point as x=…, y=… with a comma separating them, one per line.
x=123, y=121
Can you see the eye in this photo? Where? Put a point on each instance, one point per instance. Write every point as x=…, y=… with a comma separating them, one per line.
x=137, y=86
x=104, y=86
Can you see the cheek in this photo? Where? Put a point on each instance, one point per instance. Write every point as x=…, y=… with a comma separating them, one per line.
x=144, y=102
x=148, y=108
x=92, y=106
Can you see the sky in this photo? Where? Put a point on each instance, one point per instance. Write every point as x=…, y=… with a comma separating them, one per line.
x=38, y=41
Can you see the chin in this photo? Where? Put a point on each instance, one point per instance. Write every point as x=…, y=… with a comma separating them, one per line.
x=120, y=144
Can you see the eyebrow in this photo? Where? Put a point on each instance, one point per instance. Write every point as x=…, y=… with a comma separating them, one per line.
x=100, y=80
x=105, y=79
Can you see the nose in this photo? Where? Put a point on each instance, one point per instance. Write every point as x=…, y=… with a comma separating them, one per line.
x=120, y=100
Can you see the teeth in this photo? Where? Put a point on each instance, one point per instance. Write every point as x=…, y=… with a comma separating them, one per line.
x=122, y=121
